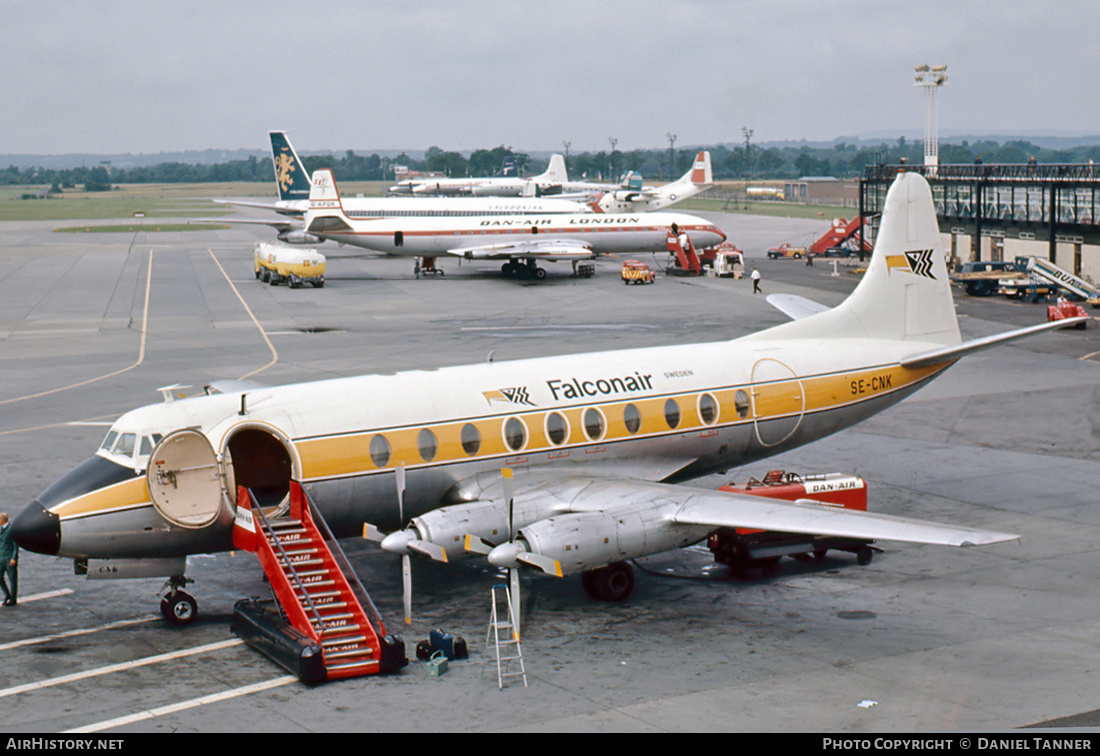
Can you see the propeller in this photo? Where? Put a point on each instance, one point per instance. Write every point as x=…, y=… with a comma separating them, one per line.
x=513, y=572
x=406, y=559
x=404, y=542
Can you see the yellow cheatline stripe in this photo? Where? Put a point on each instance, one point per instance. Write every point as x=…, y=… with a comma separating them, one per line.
x=260, y=328
x=140, y=357
x=349, y=454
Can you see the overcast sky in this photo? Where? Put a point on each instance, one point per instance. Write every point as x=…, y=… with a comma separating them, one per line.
x=112, y=76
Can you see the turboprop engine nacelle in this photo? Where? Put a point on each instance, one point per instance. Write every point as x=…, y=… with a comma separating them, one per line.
x=300, y=237
x=577, y=542
x=444, y=533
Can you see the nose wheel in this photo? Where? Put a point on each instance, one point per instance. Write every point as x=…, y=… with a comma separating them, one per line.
x=179, y=607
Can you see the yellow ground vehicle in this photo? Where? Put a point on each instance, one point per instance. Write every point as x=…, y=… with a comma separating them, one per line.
x=276, y=264
x=635, y=272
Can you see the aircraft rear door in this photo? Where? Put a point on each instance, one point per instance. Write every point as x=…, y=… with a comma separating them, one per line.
x=778, y=401
x=185, y=481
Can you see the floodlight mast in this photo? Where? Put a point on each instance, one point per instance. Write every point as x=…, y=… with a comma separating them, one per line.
x=931, y=78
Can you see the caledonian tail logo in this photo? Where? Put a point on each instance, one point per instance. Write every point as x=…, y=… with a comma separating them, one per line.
x=516, y=395
x=284, y=167
x=918, y=263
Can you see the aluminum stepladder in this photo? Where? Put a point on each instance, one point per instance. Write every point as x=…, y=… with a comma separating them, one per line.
x=507, y=651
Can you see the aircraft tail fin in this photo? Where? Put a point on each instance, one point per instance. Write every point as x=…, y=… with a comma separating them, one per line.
x=555, y=172
x=700, y=172
x=326, y=211
x=905, y=294
x=291, y=178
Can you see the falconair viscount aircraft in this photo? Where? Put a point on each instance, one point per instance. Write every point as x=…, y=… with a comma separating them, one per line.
x=598, y=445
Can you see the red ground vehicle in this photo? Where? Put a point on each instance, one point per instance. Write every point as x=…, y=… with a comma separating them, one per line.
x=635, y=272
x=1064, y=310
x=743, y=548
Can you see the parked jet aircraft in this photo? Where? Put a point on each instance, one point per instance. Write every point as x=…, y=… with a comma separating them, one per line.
x=599, y=443
x=548, y=182
x=515, y=239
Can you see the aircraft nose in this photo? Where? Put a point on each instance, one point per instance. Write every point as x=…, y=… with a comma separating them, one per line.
x=37, y=529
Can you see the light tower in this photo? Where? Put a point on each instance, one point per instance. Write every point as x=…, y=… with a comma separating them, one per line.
x=931, y=78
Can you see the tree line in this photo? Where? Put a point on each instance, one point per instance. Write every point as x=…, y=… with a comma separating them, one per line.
x=729, y=162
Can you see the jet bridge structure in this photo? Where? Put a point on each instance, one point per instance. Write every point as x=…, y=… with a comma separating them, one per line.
x=1052, y=203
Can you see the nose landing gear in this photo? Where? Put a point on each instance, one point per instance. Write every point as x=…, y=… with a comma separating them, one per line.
x=177, y=606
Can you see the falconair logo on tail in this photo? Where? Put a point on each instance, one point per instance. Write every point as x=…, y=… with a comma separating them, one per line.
x=517, y=395
x=918, y=262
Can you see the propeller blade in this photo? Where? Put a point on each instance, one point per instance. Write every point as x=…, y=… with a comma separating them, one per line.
x=478, y=545
x=372, y=533
x=506, y=475
x=406, y=562
x=428, y=549
x=540, y=562
x=399, y=473
x=513, y=578
x=406, y=585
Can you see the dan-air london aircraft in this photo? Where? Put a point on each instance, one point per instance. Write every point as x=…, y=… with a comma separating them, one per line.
x=599, y=444
x=520, y=240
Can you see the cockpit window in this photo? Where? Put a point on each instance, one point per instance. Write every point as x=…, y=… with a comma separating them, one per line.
x=129, y=449
x=125, y=445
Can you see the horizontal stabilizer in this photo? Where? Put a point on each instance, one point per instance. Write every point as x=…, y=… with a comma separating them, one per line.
x=794, y=306
x=230, y=386
x=946, y=354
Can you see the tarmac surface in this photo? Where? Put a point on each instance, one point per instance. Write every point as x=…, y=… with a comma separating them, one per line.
x=923, y=639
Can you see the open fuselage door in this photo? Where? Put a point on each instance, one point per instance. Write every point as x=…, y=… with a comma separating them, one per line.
x=185, y=480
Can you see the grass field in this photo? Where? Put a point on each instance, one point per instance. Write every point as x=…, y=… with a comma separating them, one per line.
x=171, y=201
x=150, y=200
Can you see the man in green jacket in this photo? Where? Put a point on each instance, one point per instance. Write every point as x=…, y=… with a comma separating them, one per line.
x=9, y=562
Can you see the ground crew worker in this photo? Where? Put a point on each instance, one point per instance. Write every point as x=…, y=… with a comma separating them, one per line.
x=9, y=562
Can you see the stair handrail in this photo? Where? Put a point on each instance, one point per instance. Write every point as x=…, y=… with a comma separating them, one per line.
x=270, y=531
x=339, y=555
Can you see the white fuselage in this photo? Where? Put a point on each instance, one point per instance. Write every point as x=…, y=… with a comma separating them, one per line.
x=605, y=233
x=647, y=414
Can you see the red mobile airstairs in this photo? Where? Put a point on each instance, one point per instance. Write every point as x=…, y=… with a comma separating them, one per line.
x=319, y=630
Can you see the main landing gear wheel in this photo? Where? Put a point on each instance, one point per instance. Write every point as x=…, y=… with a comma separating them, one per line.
x=179, y=608
x=614, y=582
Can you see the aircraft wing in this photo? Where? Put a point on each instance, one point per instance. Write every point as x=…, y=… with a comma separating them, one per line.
x=546, y=249
x=276, y=208
x=282, y=225
x=730, y=510
x=686, y=505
